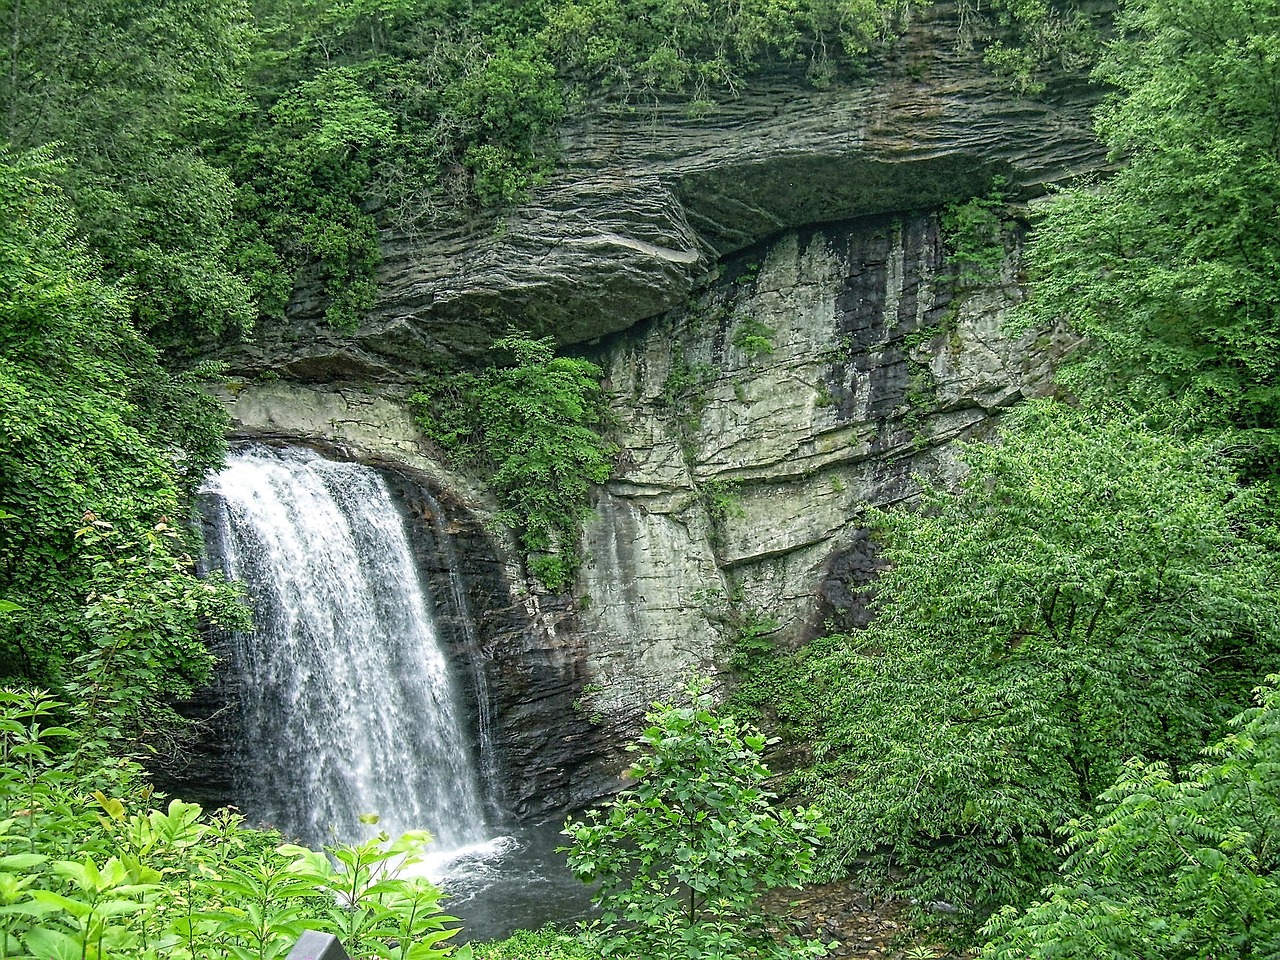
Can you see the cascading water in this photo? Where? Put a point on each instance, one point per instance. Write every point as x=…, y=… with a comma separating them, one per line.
x=348, y=706
x=484, y=711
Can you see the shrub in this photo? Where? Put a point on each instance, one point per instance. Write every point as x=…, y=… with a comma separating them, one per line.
x=91, y=869
x=1094, y=591
x=1170, y=868
x=682, y=856
x=537, y=427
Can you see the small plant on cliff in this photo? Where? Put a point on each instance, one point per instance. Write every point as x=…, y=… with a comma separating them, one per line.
x=974, y=236
x=536, y=426
x=754, y=338
x=720, y=499
x=682, y=856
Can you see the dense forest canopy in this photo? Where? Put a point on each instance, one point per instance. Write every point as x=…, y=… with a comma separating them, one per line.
x=1058, y=722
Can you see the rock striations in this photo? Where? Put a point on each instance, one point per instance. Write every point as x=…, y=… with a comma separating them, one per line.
x=647, y=199
x=786, y=345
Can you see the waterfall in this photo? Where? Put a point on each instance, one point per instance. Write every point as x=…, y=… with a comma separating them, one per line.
x=347, y=704
x=480, y=688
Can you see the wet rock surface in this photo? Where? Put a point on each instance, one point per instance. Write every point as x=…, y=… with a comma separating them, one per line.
x=517, y=659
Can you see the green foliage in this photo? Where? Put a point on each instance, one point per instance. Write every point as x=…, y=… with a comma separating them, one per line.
x=974, y=235
x=1169, y=266
x=367, y=115
x=90, y=870
x=545, y=943
x=764, y=678
x=91, y=428
x=1027, y=41
x=371, y=905
x=1103, y=585
x=364, y=116
x=709, y=44
x=720, y=500
x=753, y=338
x=305, y=171
x=127, y=90
x=748, y=630
x=682, y=855
x=226, y=152
x=144, y=614
x=536, y=427
x=776, y=689
x=1094, y=591
x=684, y=389
x=1170, y=868
x=752, y=638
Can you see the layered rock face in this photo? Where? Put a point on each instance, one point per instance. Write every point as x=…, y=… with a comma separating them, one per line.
x=810, y=384
x=646, y=200
x=769, y=292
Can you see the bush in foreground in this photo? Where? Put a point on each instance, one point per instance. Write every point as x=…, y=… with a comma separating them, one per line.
x=682, y=856
x=1171, y=868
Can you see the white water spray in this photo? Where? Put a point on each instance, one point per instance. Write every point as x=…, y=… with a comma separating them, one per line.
x=347, y=705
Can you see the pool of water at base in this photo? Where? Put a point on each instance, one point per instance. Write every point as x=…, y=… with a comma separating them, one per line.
x=513, y=882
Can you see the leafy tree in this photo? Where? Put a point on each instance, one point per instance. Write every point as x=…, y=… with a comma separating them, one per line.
x=537, y=427
x=682, y=855
x=1170, y=868
x=1169, y=267
x=144, y=617
x=128, y=90
x=1094, y=591
x=1100, y=586
x=94, y=436
x=363, y=116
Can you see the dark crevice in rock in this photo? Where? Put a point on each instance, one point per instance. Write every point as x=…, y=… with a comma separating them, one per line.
x=845, y=591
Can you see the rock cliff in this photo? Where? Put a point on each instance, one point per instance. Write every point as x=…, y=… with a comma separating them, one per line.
x=786, y=346
x=646, y=201
x=758, y=424
x=809, y=384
